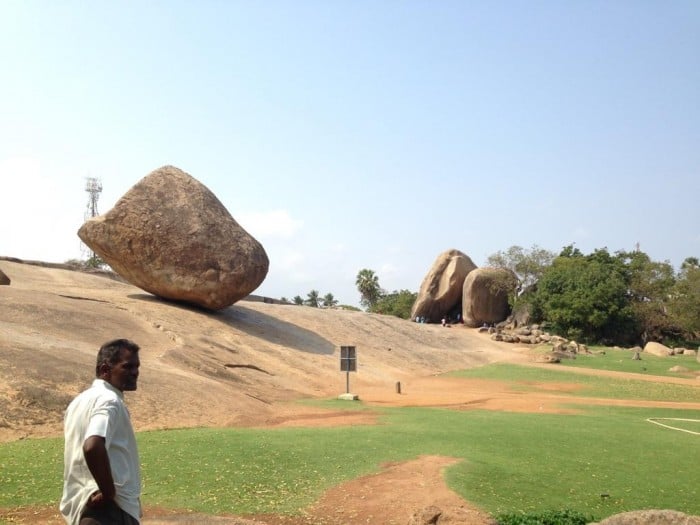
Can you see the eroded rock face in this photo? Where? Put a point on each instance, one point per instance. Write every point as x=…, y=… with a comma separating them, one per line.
x=485, y=296
x=441, y=289
x=170, y=236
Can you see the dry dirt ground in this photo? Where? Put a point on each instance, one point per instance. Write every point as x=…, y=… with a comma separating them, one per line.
x=246, y=366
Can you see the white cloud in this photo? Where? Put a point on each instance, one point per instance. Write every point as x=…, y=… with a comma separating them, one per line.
x=388, y=270
x=17, y=170
x=395, y=249
x=41, y=210
x=289, y=260
x=276, y=223
x=582, y=233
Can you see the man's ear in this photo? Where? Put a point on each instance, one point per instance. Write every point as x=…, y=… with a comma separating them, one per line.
x=104, y=369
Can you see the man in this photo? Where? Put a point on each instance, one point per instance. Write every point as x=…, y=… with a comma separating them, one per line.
x=101, y=475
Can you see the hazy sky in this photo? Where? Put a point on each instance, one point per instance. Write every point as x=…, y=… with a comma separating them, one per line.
x=360, y=134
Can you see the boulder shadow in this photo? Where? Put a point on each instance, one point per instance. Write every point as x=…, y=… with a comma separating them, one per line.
x=255, y=324
x=274, y=330
x=169, y=302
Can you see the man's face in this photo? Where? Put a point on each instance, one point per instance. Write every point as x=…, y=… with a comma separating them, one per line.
x=124, y=374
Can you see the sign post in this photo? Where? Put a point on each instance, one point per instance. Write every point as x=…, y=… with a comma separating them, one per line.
x=348, y=363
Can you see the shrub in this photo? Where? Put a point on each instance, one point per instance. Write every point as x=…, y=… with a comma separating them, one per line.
x=548, y=517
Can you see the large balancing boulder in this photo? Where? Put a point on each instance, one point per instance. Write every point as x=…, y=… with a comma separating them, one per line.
x=170, y=236
x=485, y=296
x=441, y=289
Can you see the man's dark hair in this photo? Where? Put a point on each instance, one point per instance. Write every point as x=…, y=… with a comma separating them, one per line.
x=111, y=351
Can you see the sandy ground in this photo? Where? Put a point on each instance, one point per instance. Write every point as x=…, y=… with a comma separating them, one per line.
x=245, y=366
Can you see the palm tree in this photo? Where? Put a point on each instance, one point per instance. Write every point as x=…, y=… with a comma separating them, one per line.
x=298, y=300
x=329, y=301
x=368, y=285
x=312, y=298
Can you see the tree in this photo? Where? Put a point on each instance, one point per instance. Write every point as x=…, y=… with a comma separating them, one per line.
x=586, y=298
x=570, y=251
x=397, y=303
x=312, y=298
x=349, y=307
x=685, y=303
x=690, y=263
x=650, y=289
x=368, y=285
x=329, y=301
x=298, y=300
x=95, y=261
x=528, y=265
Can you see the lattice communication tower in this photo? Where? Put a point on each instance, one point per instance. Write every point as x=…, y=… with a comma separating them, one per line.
x=94, y=187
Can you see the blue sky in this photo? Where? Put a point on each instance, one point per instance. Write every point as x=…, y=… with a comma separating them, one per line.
x=360, y=134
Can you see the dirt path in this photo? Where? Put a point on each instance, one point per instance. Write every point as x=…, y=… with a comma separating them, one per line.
x=389, y=497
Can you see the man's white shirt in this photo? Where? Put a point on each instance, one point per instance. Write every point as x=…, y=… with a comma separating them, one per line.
x=100, y=411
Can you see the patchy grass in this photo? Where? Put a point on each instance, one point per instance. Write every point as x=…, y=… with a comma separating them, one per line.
x=619, y=360
x=526, y=378
x=512, y=463
x=31, y=472
x=601, y=462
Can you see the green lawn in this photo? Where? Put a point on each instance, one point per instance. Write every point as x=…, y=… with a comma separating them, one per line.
x=621, y=360
x=511, y=462
x=524, y=378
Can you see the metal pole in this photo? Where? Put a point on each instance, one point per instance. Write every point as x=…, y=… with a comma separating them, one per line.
x=347, y=382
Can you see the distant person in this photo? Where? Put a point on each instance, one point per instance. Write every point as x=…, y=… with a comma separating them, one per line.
x=101, y=473
x=444, y=321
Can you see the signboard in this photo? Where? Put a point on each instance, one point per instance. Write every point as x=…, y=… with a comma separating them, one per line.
x=348, y=359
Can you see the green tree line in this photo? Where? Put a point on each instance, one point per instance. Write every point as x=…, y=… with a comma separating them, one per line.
x=313, y=299
x=376, y=300
x=621, y=298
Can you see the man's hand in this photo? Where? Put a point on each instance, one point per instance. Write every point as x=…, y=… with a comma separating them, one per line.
x=96, y=500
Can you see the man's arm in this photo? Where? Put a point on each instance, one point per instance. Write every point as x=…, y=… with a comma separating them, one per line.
x=98, y=462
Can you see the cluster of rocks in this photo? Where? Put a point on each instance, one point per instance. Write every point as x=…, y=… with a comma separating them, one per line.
x=662, y=350
x=456, y=290
x=170, y=236
x=562, y=348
